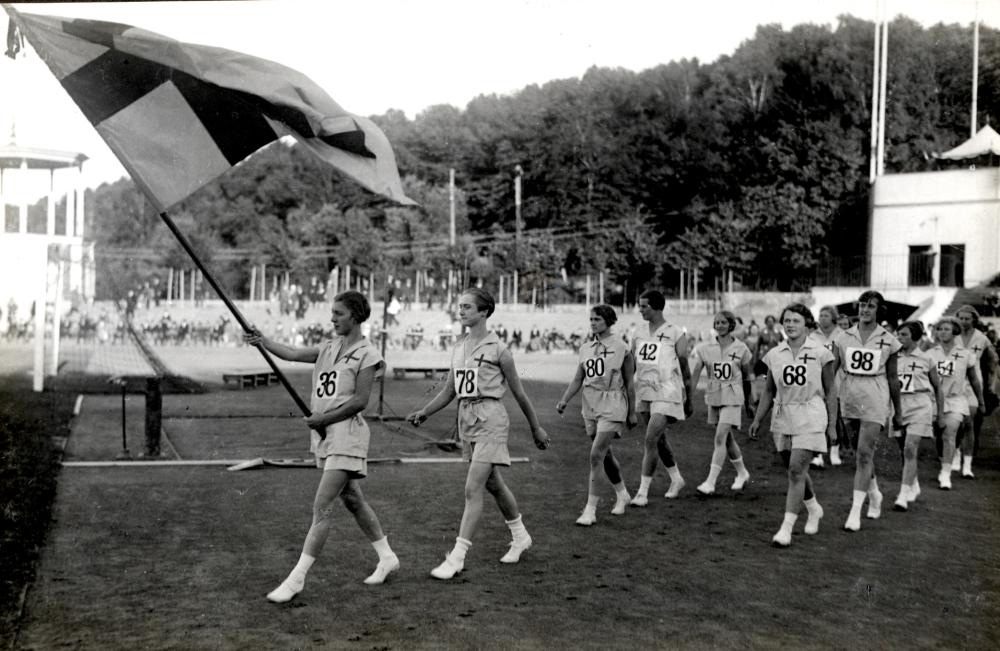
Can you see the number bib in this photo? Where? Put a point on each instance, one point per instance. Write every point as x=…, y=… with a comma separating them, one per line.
x=794, y=375
x=649, y=352
x=594, y=367
x=722, y=371
x=466, y=382
x=906, y=384
x=946, y=369
x=326, y=386
x=862, y=361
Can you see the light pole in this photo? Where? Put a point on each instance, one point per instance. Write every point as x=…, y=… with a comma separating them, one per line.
x=517, y=224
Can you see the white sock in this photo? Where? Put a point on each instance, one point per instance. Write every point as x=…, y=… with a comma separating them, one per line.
x=675, y=473
x=738, y=464
x=301, y=568
x=382, y=549
x=858, y=502
x=461, y=547
x=591, y=502
x=713, y=474
x=945, y=467
x=811, y=504
x=644, y=483
x=620, y=490
x=966, y=463
x=789, y=522
x=517, y=529
x=873, y=485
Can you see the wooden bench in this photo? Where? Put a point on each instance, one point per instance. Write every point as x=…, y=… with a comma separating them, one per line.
x=250, y=379
x=399, y=372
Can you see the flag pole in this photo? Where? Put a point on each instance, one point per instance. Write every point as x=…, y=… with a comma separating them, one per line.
x=186, y=245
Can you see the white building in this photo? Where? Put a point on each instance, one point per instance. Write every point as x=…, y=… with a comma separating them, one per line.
x=42, y=245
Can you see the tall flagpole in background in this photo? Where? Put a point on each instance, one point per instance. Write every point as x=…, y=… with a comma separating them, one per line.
x=975, y=71
x=873, y=151
x=883, y=74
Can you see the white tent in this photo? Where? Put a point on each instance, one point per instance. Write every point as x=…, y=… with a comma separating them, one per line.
x=987, y=141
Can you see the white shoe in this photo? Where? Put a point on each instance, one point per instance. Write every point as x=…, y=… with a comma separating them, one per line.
x=621, y=504
x=835, y=456
x=874, y=505
x=383, y=570
x=740, y=481
x=783, y=538
x=914, y=493
x=853, y=522
x=639, y=500
x=587, y=518
x=675, y=488
x=705, y=488
x=517, y=547
x=956, y=460
x=818, y=461
x=448, y=569
x=902, y=502
x=286, y=591
x=944, y=481
x=812, y=520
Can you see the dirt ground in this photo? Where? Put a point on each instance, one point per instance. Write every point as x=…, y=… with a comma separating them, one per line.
x=182, y=556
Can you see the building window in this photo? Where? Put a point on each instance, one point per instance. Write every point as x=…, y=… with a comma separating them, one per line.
x=952, y=265
x=921, y=267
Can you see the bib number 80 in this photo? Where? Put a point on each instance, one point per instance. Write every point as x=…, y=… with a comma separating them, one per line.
x=594, y=367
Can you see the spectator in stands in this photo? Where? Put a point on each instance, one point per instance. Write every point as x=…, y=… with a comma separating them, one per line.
x=515, y=339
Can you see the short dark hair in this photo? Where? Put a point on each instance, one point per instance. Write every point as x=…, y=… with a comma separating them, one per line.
x=869, y=295
x=655, y=299
x=356, y=303
x=801, y=310
x=729, y=317
x=606, y=312
x=484, y=300
x=915, y=328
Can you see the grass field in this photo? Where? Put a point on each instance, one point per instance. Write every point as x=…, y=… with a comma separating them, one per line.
x=181, y=557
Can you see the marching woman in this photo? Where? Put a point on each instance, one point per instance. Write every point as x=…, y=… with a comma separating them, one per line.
x=979, y=345
x=921, y=400
x=799, y=384
x=662, y=391
x=345, y=369
x=826, y=333
x=867, y=353
x=605, y=372
x=956, y=368
x=481, y=370
x=727, y=361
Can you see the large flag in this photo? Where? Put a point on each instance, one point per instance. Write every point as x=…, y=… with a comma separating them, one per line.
x=178, y=115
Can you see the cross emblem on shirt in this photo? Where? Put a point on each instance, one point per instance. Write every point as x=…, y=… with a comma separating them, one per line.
x=976, y=349
x=806, y=358
x=913, y=366
x=883, y=342
x=662, y=336
x=482, y=358
x=956, y=355
x=350, y=356
x=734, y=357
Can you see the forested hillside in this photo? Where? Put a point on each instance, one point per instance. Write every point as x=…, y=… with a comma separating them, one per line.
x=756, y=163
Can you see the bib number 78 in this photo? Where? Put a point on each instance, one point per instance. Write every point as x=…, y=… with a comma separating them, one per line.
x=466, y=382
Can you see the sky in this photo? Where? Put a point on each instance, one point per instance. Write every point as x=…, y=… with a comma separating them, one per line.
x=377, y=55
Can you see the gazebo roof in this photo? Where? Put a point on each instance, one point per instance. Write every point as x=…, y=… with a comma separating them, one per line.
x=13, y=156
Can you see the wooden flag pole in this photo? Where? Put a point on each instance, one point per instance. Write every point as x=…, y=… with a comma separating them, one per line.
x=235, y=311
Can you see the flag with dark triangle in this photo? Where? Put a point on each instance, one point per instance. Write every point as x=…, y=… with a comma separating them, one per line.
x=178, y=115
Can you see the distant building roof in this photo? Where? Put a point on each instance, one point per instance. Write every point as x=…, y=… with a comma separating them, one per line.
x=14, y=156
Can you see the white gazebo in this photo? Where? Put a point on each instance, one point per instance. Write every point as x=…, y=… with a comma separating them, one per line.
x=37, y=229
